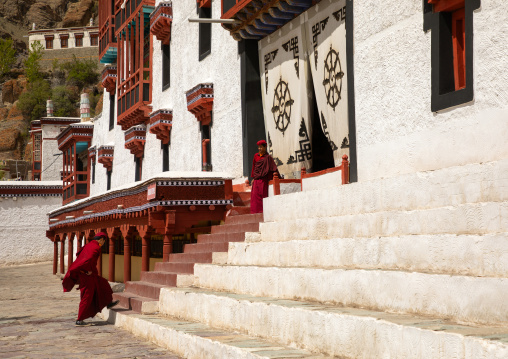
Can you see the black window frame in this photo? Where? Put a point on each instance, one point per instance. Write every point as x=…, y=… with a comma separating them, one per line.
x=205, y=33
x=111, y=111
x=165, y=156
x=166, y=66
x=108, y=181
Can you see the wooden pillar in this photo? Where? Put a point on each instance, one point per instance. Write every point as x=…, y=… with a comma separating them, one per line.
x=112, y=238
x=145, y=250
x=78, y=240
x=99, y=261
x=127, y=235
x=55, y=256
x=167, y=247
x=70, y=258
x=62, y=255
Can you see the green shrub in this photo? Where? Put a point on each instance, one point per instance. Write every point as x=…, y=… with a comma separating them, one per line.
x=33, y=101
x=64, y=100
x=32, y=63
x=7, y=56
x=81, y=72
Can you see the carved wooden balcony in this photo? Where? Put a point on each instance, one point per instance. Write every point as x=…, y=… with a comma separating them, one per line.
x=200, y=102
x=135, y=138
x=160, y=124
x=109, y=79
x=160, y=21
x=105, y=156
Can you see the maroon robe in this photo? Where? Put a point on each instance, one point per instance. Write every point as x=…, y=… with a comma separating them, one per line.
x=96, y=292
x=263, y=169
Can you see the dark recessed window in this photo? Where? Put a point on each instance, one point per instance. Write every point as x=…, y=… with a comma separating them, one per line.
x=165, y=157
x=93, y=170
x=139, y=165
x=108, y=174
x=206, y=150
x=49, y=43
x=205, y=33
x=79, y=41
x=111, y=112
x=166, y=60
x=451, y=22
x=94, y=40
x=64, y=43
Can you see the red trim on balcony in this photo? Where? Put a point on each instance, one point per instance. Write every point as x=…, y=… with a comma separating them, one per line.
x=109, y=79
x=200, y=102
x=446, y=5
x=135, y=138
x=204, y=3
x=160, y=22
x=161, y=122
x=105, y=156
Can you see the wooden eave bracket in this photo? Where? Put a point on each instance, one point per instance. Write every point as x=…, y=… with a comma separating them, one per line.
x=200, y=102
x=160, y=22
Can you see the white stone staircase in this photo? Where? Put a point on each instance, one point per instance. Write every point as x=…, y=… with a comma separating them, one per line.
x=409, y=267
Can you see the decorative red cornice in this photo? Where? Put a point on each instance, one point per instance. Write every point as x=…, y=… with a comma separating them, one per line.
x=32, y=190
x=160, y=21
x=59, y=120
x=200, y=102
x=109, y=79
x=105, y=156
x=75, y=133
x=135, y=138
x=161, y=122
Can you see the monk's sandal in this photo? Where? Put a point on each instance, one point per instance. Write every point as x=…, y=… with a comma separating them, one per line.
x=82, y=323
x=112, y=304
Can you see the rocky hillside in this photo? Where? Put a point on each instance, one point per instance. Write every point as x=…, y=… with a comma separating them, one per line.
x=16, y=18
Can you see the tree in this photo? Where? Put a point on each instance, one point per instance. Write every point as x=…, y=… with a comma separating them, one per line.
x=32, y=63
x=33, y=101
x=7, y=55
x=64, y=100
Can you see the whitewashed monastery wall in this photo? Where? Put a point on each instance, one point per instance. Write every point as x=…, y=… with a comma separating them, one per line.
x=23, y=228
x=396, y=131
x=222, y=68
x=51, y=164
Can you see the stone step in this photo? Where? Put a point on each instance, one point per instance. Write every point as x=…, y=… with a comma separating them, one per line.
x=470, y=218
x=193, y=257
x=206, y=247
x=484, y=255
x=161, y=278
x=487, y=182
x=477, y=300
x=144, y=289
x=246, y=218
x=179, y=268
x=197, y=341
x=130, y=301
x=221, y=237
x=333, y=330
x=236, y=228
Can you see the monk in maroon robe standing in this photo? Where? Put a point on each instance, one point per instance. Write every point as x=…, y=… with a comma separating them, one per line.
x=263, y=168
x=96, y=292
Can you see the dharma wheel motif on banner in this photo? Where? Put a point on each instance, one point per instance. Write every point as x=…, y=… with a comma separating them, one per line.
x=282, y=103
x=333, y=78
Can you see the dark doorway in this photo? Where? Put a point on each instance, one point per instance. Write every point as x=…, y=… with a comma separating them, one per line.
x=322, y=154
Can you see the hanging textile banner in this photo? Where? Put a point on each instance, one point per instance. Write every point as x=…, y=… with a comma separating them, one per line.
x=285, y=88
x=326, y=43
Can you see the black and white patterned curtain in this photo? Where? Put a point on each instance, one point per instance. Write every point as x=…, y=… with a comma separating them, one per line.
x=309, y=51
x=286, y=103
x=325, y=26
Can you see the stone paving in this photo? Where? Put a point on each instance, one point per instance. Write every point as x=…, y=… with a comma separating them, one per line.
x=37, y=321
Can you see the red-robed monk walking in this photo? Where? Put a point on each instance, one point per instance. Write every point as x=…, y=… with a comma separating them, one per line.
x=263, y=168
x=96, y=292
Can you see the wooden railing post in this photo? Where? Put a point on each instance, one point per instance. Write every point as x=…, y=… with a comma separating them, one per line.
x=345, y=170
x=276, y=184
x=303, y=172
